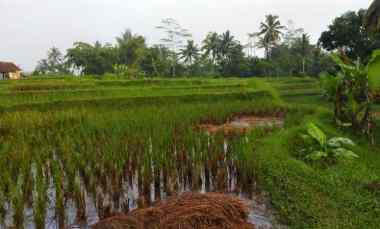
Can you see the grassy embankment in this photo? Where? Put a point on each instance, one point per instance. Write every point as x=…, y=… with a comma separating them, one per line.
x=315, y=196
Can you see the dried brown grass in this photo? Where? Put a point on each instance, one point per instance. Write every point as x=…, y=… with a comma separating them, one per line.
x=187, y=211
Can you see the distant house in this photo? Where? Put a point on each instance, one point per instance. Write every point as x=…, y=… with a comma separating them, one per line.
x=9, y=70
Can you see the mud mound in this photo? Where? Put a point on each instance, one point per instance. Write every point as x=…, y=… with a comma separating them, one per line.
x=188, y=211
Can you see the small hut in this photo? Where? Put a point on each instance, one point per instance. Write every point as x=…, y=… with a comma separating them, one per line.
x=9, y=70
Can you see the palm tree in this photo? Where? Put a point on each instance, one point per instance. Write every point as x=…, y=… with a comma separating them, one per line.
x=210, y=46
x=305, y=42
x=226, y=43
x=125, y=37
x=190, y=52
x=372, y=21
x=270, y=30
x=264, y=43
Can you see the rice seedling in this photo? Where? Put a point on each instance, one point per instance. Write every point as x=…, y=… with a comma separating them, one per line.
x=118, y=151
x=40, y=196
x=18, y=203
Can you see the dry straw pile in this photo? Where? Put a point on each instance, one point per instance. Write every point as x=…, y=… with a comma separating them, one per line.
x=188, y=211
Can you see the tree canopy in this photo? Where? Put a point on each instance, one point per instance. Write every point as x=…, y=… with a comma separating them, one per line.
x=348, y=34
x=372, y=20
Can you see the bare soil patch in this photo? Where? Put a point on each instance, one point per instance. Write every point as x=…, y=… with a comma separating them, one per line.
x=241, y=124
x=187, y=211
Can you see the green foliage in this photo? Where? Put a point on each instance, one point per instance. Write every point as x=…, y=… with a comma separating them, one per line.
x=130, y=49
x=91, y=59
x=372, y=19
x=350, y=90
x=329, y=84
x=313, y=196
x=120, y=70
x=156, y=61
x=220, y=55
x=295, y=56
x=347, y=33
x=190, y=53
x=373, y=69
x=225, y=54
x=317, y=134
x=55, y=63
x=317, y=196
x=318, y=148
x=270, y=32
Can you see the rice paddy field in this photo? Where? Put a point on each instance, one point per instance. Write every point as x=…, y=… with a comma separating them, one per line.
x=74, y=151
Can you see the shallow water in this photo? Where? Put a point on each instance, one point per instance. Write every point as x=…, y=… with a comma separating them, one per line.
x=134, y=191
x=260, y=214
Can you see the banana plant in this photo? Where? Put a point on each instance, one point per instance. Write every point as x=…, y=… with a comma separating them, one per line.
x=352, y=90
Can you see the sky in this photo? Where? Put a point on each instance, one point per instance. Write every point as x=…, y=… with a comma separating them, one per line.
x=30, y=27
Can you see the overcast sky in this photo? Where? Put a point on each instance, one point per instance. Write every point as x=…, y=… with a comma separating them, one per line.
x=30, y=27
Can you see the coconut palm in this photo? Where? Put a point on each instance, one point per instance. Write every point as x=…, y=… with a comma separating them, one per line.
x=265, y=44
x=373, y=16
x=210, y=46
x=125, y=37
x=226, y=43
x=270, y=30
x=190, y=53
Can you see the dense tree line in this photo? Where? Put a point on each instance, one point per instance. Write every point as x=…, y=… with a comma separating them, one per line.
x=288, y=52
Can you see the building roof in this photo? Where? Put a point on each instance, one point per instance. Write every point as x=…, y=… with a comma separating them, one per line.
x=6, y=67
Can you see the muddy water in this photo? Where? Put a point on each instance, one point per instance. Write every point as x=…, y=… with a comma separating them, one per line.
x=134, y=191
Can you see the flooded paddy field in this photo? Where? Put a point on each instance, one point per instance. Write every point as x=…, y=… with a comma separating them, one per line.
x=69, y=167
x=209, y=162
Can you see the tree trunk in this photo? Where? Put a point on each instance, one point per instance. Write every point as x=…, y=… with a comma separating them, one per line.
x=303, y=65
